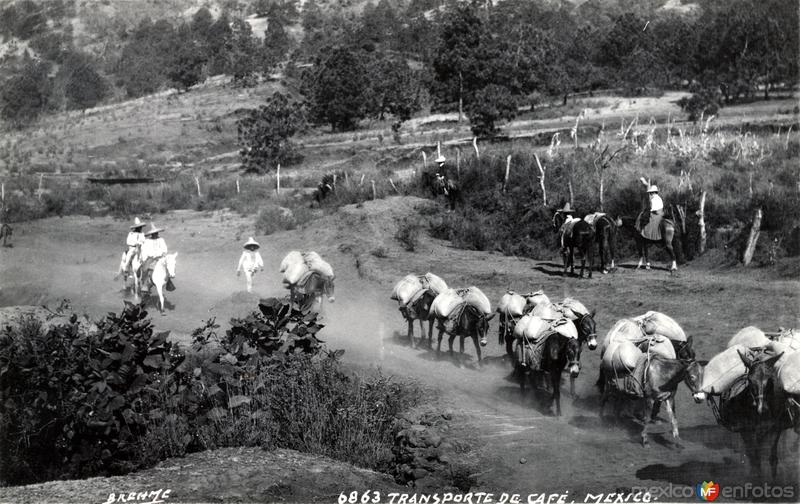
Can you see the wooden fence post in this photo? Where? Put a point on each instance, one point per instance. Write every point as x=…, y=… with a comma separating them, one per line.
x=278, y=180
x=237, y=185
x=361, y=182
x=39, y=191
x=394, y=186
x=197, y=183
x=475, y=145
x=458, y=163
x=374, y=194
x=701, y=214
x=541, y=180
x=755, y=231
x=508, y=172
x=424, y=161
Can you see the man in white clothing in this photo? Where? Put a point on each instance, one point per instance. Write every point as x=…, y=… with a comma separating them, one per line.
x=649, y=222
x=250, y=262
x=153, y=249
x=134, y=242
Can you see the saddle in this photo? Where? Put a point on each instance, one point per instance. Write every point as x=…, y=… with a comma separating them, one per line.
x=632, y=383
x=529, y=353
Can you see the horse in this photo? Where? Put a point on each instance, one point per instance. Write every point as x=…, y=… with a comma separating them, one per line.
x=5, y=233
x=581, y=236
x=669, y=232
x=470, y=322
x=605, y=232
x=559, y=352
x=163, y=271
x=311, y=289
x=130, y=272
x=760, y=412
x=419, y=310
x=656, y=380
x=450, y=189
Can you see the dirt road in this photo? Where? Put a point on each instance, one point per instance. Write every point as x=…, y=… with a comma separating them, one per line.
x=522, y=447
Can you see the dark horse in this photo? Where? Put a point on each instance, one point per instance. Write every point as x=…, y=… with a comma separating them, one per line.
x=472, y=323
x=655, y=380
x=440, y=184
x=324, y=188
x=419, y=310
x=310, y=289
x=581, y=236
x=669, y=232
x=759, y=412
x=605, y=232
x=559, y=352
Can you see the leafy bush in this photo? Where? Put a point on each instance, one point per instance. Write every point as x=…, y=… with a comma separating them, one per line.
x=264, y=134
x=273, y=219
x=705, y=102
x=408, y=234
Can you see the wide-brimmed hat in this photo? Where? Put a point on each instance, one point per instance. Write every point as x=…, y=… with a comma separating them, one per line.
x=567, y=208
x=440, y=159
x=251, y=243
x=137, y=223
x=653, y=188
x=153, y=230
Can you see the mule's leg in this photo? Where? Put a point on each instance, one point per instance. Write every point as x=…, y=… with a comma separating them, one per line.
x=555, y=382
x=410, y=331
x=566, y=261
x=648, y=405
x=439, y=345
x=430, y=333
x=450, y=343
x=773, y=457
x=160, y=291
x=591, y=258
x=477, y=347
x=671, y=252
x=583, y=264
x=571, y=260
x=669, y=403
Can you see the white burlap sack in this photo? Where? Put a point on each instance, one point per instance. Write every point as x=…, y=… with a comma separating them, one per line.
x=723, y=369
x=566, y=328
x=475, y=297
x=292, y=257
x=789, y=374
x=294, y=272
x=790, y=338
x=547, y=312
x=659, y=345
x=750, y=337
x=532, y=328
x=319, y=265
x=435, y=283
x=623, y=330
x=512, y=304
x=572, y=308
x=405, y=289
x=621, y=357
x=778, y=348
x=658, y=323
x=536, y=298
x=444, y=304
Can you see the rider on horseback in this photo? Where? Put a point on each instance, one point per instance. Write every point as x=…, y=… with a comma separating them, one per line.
x=649, y=221
x=134, y=242
x=153, y=249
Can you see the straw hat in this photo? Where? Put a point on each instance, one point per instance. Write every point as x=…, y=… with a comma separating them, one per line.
x=137, y=223
x=439, y=159
x=251, y=243
x=652, y=189
x=153, y=230
x=567, y=208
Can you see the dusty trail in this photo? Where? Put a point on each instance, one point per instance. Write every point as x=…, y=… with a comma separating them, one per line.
x=75, y=257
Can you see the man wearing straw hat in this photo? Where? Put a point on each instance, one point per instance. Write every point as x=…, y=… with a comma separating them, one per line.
x=250, y=261
x=153, y=249
x=649, y=221
x=134, y=242
x=569, y=220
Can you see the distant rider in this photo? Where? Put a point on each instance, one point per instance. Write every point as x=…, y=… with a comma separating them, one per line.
x=134, y=242
x=569, y=220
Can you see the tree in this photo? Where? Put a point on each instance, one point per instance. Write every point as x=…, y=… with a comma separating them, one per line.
x=84, y=87
x=491, y=104
x=265, y=134
x=394, y=88
x=241, y=53
x=26, y=94
x=337, y=88
x=187, y=59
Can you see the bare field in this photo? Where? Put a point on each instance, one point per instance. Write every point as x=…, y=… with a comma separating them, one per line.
x=76, y=258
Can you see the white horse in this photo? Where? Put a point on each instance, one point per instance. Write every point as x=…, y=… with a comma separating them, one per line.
x=131, y=271
x=163, y=270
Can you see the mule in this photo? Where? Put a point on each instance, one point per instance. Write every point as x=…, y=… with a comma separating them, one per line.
x=559, y=352
x=450, y=189
x=130, y=272
x=419, y=310
x=669, y=233
x=760, y=412
x=581, y=236
x=309, y=291
x=163, y=271
x=472, y=323
x=657, y=382
x=605, y=232
x=5, y=233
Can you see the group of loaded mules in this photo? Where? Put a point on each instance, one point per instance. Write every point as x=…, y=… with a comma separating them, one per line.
x=753, y=387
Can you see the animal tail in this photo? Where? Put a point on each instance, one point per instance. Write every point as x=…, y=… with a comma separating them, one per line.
x=601, y=381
